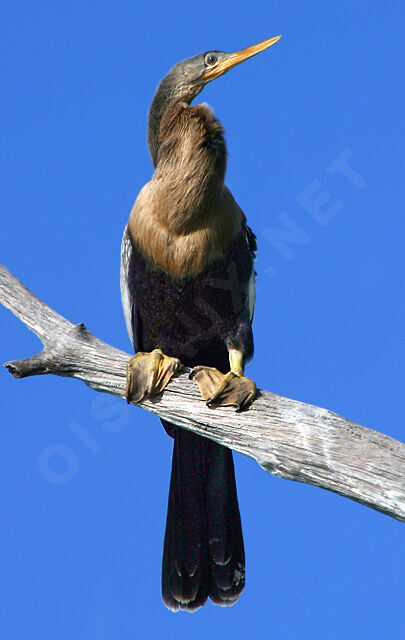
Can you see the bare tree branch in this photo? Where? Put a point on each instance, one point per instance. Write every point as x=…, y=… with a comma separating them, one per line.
x=290, y=439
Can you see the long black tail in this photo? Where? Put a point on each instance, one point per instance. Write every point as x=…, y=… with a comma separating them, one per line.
x=203, y=549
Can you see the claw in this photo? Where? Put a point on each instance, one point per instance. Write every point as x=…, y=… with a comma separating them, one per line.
x=224, y=390
x=148, y=374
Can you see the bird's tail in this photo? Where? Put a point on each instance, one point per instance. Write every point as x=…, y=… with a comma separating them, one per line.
x=203, y=549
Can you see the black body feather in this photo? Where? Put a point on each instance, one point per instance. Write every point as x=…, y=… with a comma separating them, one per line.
x=195, y=318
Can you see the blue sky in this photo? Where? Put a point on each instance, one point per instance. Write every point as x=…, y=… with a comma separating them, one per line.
x=82, y=558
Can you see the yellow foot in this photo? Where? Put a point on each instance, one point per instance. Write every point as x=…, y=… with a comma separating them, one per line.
x=149, y=373
x=224, y=390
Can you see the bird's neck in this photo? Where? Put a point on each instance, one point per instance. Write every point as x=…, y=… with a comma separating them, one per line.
x=156, y=111
x=185, y=217
x=163, y=101
x=190, y=171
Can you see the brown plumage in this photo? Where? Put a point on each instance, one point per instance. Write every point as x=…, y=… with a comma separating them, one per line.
x=185, y=217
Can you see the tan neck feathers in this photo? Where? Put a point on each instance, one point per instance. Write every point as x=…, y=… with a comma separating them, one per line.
x=184, y=218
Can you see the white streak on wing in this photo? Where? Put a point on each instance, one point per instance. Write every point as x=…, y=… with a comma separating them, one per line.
x=127, y=303
x=252, y=289
x=252, y=294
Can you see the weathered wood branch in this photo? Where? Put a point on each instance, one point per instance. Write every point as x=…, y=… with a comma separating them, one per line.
x=288, y=438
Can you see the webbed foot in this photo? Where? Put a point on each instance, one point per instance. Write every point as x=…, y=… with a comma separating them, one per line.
x=149, y=373
x=224, y=390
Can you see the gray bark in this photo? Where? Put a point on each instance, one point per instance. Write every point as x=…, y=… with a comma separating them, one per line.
x=290, y=439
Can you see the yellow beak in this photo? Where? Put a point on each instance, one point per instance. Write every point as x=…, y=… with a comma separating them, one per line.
x=236, y=58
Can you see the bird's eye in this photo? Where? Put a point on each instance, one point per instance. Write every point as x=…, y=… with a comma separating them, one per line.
x=210, y=59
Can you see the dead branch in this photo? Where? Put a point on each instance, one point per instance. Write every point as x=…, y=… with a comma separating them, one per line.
x=290, y=439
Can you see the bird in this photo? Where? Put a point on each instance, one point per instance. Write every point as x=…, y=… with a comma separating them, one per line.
x=188, y=293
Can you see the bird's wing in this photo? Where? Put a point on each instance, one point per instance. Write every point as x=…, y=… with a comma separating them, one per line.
x=127, y=300
x=252, y=244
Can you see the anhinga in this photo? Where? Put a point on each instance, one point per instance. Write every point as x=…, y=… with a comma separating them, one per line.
x=187, y=283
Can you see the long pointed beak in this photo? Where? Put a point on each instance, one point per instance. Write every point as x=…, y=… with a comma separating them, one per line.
x=233, y=59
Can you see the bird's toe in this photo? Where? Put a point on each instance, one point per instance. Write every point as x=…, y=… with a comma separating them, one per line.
x=224, y=390
x=149, y=373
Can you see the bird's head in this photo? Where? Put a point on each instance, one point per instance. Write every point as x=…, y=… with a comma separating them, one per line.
x=188, y=77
